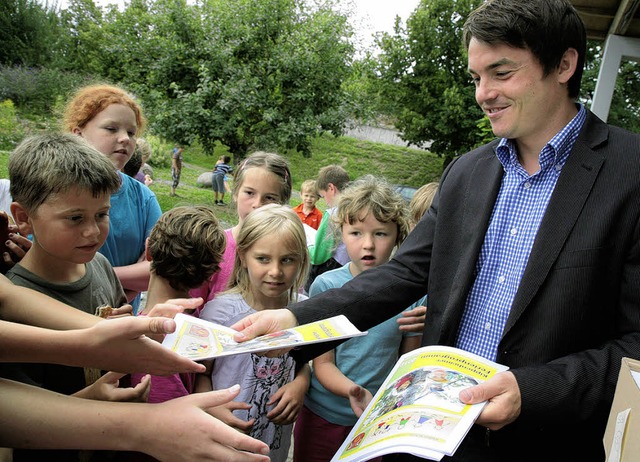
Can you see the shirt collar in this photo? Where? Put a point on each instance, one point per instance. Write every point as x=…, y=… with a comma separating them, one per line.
x=554, y=153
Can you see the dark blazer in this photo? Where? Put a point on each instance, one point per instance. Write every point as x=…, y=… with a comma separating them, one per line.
x=577, y=309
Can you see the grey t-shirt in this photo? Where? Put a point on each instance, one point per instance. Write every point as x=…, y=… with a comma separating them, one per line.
x=99, y=286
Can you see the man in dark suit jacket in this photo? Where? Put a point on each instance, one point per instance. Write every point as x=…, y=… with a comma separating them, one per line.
x=530, y=251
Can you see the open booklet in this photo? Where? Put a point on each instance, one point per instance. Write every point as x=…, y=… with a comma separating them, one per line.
x=199, y=339
x=417, y=410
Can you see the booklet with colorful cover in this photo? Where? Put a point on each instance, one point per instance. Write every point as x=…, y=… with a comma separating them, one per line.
x=199, y=339
x=417, y=410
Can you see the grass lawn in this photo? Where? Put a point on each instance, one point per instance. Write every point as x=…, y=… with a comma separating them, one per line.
x=397, y=164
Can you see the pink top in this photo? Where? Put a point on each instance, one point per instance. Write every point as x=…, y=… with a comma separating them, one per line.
x=218, y=281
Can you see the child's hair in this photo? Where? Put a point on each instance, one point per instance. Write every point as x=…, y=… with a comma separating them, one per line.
x=132, y=167
x=273, y=163
x=283, y=224
x=186, y=246
x=370, y=194
x=48, y=164
x=421, y=200
x=333, y=174
x=226, y=159
x=144, y=148
x=309, y=186
x=89, y=101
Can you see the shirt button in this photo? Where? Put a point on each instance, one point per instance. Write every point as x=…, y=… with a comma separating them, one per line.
x=514, y=231
x=501, y=279
x=558, y=168
x=527, y=185
x=487, y=326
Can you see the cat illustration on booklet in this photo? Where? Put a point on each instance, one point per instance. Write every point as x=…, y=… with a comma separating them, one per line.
x=417, y=410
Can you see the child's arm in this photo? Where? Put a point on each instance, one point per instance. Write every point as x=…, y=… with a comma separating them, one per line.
x=224, y=412
x=106, y=389
x=187, y=432
x=410, y=343
x=290, y=397
x=330, y=377
x=134, y=278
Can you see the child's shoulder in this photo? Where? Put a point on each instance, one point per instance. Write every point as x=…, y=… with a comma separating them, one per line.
x=226, y=309
x=331, y=279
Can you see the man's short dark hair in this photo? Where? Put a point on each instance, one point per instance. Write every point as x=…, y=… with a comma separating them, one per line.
x=548, y=28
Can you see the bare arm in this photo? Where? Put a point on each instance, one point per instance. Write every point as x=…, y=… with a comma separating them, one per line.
x=187, y=432
x=116, y=344
x=134, y=277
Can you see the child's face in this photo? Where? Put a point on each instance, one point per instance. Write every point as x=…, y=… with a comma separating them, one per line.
x=70, y=227
x=369, y=243
x=258, y=188
x=309, y=198
x=272, y=269
x=113, y=133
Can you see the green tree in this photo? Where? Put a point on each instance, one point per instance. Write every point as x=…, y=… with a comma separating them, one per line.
x=423, y=80
x=270, y=75
x=625, y=105
x=27, y=32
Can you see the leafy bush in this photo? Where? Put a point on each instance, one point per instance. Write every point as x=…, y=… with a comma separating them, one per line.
x=10, y=130
x=37, y=89
x=161, y=149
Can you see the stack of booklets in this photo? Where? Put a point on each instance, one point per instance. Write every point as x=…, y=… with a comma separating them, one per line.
x=198, y=339
x=417, y=410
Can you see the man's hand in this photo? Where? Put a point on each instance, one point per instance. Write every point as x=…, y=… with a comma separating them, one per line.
x=263, y=322
x=122, y=345
x=505, y=401
x=413, y=320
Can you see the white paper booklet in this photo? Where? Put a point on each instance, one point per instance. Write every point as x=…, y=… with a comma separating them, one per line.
x=417, y=410
x=199, y=339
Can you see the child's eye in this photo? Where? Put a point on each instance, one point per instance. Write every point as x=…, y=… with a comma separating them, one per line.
x=288, y=260
x=131, y=134
x=272, y=199
x=263, y=259
x=75, y=218
x=102, y=215
x=381, y=234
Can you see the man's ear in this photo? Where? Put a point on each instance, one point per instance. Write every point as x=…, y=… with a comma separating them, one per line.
x=147, y=254
x=568, y=65
x=21, y=217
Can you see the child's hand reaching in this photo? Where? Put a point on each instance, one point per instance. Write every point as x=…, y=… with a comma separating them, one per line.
x=359, y=398
x=224, y=413
x=413, y=320
x=288, y=400
x=106, y=389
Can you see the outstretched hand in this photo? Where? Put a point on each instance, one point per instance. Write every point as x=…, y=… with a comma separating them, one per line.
x=189, y=433
x=413, y=320
x=503, y=396
x=122, y=345
x=359, y=398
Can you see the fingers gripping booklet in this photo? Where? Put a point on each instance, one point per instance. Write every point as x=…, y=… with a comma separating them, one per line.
x=198, y=339
x=417, y=410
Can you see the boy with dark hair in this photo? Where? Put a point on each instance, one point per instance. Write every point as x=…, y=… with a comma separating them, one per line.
x=185, y=248
x=61, y=188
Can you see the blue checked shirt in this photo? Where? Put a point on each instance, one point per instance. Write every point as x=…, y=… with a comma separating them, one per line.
x=517, y=213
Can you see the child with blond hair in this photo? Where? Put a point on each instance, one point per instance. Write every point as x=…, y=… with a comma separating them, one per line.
x=271, y=264
x=373, y=220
